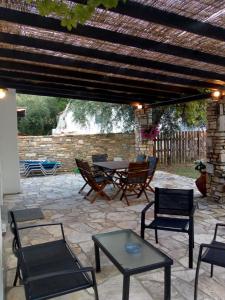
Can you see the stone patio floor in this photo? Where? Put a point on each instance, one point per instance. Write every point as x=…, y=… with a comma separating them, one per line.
x=59, y=199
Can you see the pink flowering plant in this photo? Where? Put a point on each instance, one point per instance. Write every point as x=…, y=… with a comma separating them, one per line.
x=150, y=133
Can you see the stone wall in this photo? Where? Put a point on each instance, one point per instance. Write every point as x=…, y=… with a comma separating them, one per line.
x=65, y=148
x=216, y=151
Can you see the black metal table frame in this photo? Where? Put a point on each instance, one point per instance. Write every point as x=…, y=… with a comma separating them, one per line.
x=128, y=273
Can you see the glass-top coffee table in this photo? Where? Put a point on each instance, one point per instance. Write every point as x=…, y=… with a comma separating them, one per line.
x=132, y=255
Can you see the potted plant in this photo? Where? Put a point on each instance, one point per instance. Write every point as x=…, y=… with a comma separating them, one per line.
x=201, y=180
x=150, y=133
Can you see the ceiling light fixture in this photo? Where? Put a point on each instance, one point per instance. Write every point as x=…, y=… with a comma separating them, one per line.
x=139, y=106
x=2, y=93
x=216, y=95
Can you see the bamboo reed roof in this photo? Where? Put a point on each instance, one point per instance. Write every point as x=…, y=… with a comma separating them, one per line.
x=150, y=51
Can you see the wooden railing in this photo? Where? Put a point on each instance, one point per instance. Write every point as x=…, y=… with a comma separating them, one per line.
x=180, y=147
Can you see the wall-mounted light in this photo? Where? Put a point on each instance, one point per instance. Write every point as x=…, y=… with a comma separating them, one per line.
x=2, y=93
x=139, y=106
x=216, y=95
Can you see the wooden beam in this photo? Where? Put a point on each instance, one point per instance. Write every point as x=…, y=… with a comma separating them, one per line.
x=78, y=91
x=169, y=19
x=23, y=67
x=78, y=96
x=202, y=96
x=76, y=84
x=51, y=76
x=56, y=60
x=28, y=19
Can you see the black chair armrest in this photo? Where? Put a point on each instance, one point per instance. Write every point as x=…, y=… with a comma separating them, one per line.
x=147, y=207
x=211, y=246
x=192, y=211
x=59, y=273
x=44, y=225
x=216, y=229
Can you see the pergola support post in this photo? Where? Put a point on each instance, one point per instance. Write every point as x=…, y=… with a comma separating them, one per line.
x=216, y=151
x=143, y=119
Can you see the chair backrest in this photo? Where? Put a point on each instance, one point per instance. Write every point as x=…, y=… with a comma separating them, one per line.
x=99, y=157
x=16, y=244
x=173, y=201
x=152, y=160
x=137, y=172
x=79, y=165
x=141, y=158
x=88, y=175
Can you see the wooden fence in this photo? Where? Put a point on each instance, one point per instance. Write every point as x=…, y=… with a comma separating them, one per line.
x=180, y=147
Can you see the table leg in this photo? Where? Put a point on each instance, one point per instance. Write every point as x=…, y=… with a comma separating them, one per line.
x=167, y=283
x=126, y=287
x=97, y=258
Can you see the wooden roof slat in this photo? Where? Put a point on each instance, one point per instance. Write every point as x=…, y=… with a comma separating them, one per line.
x=201, y=96
x=146, y=86
x=85, y=87
x=56, y=60
x=91, y=76
x=169, y=19
x=78, y=91
x=34, y=20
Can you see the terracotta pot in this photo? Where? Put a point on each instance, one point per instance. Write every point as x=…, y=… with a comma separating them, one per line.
x=201, y=184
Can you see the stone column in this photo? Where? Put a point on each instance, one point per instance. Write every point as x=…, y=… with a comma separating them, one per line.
x=216, y=151
x=143, y=119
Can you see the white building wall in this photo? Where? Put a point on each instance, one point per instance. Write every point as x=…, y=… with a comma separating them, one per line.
x=9, y=161
x=8, y=144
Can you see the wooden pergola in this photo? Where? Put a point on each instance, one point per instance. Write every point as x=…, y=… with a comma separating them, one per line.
x=155, y=52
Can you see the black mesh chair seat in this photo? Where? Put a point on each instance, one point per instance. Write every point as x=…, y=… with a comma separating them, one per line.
x=215, y=256
x=100, y=179
x=53, y=257
x=50, y=269
x=175, y=224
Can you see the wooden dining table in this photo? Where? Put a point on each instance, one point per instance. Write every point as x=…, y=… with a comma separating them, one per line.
x=113, y=165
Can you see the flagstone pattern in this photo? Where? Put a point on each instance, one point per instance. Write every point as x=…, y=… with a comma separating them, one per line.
x=59, y=199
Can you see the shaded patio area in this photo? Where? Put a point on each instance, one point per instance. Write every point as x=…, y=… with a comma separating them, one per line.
x=59, y=199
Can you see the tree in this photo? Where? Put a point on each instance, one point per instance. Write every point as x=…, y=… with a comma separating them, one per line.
x=41, y=114
x=107, y=115
x=171, y=117
x=71, y=14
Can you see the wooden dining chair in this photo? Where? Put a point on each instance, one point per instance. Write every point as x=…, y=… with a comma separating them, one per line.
x=96, y=183
x=133, y=181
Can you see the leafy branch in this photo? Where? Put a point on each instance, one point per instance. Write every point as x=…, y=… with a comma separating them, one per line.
x=71, y=15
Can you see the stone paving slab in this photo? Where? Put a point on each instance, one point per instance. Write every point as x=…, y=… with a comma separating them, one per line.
x=59, y=200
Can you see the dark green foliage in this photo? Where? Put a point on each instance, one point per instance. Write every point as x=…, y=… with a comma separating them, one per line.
x=41, y=114
x=106, y=115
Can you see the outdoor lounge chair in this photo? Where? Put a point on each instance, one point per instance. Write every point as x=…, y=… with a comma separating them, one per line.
x=97, y=183
x=133, y=181
x=49, y=269
x=213, y=255
x=172, y=203
x=39, y=167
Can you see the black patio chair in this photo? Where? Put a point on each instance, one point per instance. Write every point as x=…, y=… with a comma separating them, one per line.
x=49, y=269
x=172, y=203
x=214, y=255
